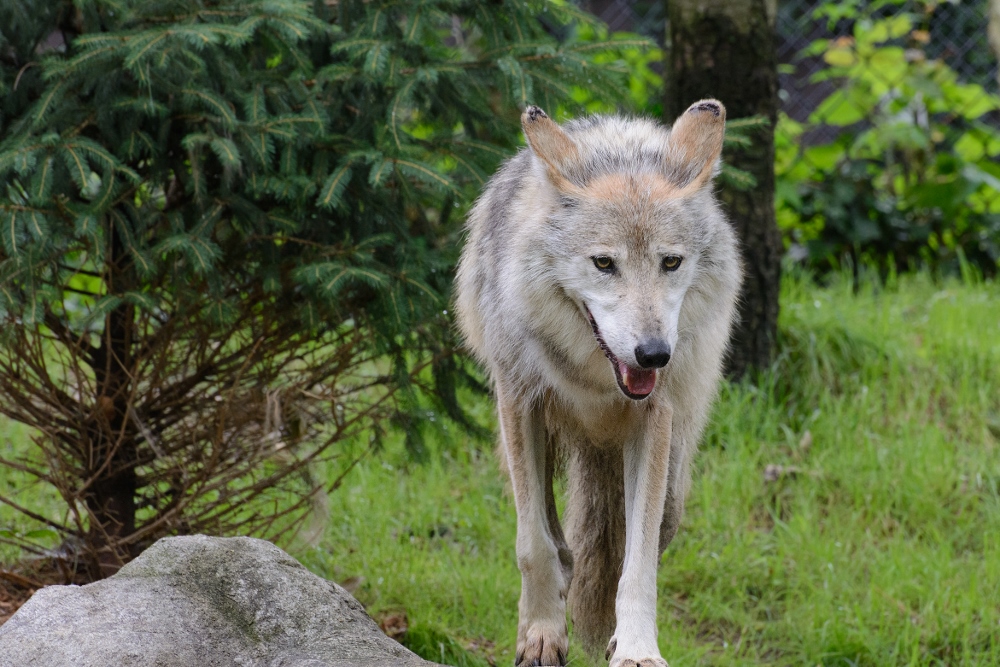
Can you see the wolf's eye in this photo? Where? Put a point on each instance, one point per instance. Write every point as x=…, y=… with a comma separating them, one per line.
x=604, y=263
x=671, y=262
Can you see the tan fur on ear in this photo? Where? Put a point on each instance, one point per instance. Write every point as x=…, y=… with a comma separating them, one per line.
x=696, y=142
x=549, y=143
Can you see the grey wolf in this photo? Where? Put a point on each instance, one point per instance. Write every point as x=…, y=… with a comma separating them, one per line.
x=597, y=286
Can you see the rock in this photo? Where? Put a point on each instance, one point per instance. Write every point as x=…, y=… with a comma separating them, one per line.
x=199, y=602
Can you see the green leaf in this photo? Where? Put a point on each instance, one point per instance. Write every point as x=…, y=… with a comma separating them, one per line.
x=518, y=82
x=195, y=140
x=379, y=172
x=42, y=534
x=738, y=178
x=310, y=316
x=296, y=29
x=426, y=174
x=971, y=100
x=483, y=147
x=824, y=156
x=524, y=48
x=33, y=311
x=106, y=194
x=337, y=72
x=10, y=231
x=76, y=162
x=976, y=174
x=289, y=159
x=260, y=146
x=376, y=60
x=141, y=46
x=355, y=47
x=200, y=253
x=614, y=44
x=737, y=140
x=212, y=103
x=24, y=161
x=143, y=262
x=284, y=223
x=331, y=193
x=292, y=127
x=412, y=29
x=840, y=57
x=331, y=277
x=235, y=35
x=86, y=225
x=227, y=151
x=271, y=282
x=255, y=105
x=398, y=109
x=102, y=307
x=376, y=21
x=886, y=29
x=220, y=312
x=91, y=54
x=470, y=167
x=969, y=147
x=47, y=101
x=41, y=182
x=37, y=224
x=143, y=106
x=138, y=144
x=841, y=108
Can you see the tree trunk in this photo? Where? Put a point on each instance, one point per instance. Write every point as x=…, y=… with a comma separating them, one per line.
x=112, y=453
x=726, y=49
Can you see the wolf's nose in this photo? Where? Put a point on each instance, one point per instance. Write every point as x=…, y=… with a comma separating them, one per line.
x=652, y=354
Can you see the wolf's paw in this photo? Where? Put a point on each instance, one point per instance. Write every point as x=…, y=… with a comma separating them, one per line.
x=616, y=661
x=642, y=662
x=539, y=645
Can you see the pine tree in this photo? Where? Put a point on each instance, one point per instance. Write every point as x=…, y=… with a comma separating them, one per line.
x=226, y=233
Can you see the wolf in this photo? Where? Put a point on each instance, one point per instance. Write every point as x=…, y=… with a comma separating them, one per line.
x=597, y=287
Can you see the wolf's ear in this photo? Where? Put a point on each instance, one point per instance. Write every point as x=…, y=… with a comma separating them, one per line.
x=695, y=144
x=550, y=144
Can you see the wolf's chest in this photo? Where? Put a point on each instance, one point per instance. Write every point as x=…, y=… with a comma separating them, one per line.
x=595, y=422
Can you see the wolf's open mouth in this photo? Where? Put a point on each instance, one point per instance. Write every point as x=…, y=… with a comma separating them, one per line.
x=636, y=383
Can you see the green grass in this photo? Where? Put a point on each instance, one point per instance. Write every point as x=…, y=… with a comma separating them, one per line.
x=15, y=439
x=878, y=543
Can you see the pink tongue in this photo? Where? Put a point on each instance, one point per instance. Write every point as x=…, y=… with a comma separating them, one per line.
x=639, y=381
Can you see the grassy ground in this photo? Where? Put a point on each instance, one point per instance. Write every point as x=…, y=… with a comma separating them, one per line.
x=845, y=510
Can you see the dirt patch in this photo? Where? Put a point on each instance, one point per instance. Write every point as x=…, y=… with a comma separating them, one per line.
x=12, y=596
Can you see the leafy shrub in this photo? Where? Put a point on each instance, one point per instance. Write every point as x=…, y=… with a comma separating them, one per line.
x=911, y=177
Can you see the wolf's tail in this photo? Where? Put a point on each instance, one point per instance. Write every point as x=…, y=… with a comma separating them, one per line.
x=595, y=523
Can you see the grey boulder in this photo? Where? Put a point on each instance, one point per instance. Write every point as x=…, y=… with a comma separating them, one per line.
x=200, y=602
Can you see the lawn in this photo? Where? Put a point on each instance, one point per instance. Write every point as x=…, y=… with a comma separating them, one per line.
x=845, y=508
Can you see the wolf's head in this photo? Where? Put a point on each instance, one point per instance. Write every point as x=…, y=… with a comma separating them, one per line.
x=632, y=229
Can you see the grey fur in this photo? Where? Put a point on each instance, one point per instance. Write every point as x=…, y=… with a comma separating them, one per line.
x=525, y=288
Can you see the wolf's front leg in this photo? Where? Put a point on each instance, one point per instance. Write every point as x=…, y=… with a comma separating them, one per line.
x=646, y=467
x=541, y=631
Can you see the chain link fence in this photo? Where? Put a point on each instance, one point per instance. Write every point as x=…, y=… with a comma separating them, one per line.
x=857, y=40
x=890, y=119
x=954, y=32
